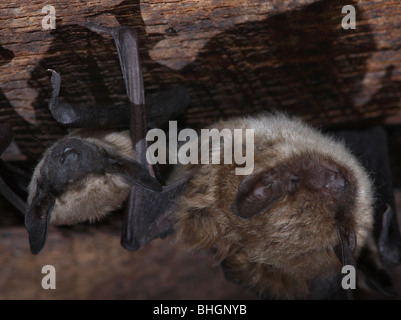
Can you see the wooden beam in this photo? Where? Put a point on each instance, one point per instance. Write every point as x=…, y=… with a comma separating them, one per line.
x=93, y=265
x=235, y=56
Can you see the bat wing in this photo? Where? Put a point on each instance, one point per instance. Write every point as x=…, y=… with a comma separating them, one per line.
x=166, y=105
x=161, y=106
x=155, y=217
x=37, y=219
x=82, y=116
x=6, y=137
x=370, y=146
x=148, y=214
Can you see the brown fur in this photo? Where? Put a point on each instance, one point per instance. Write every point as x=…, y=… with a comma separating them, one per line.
x=281, y=251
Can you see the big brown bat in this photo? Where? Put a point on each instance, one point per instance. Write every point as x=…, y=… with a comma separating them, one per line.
x=281, y=228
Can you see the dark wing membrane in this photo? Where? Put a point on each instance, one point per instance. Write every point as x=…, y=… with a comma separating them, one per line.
x=6, y=137
x=156, y=217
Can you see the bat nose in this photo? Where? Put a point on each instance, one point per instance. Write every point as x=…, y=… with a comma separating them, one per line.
x=69, y=155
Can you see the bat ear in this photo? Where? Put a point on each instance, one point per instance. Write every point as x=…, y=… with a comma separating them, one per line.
x=133, y=172
x=37, y=219
x=346, y=248
x=256, y=193
x=389, y=239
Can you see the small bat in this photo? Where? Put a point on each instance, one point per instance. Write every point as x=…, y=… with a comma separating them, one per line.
x=90, y=173
x=85, y=176
x=286, y=230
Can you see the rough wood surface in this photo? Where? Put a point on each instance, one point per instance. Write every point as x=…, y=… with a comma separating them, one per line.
x=235, y=57
x=91, y=264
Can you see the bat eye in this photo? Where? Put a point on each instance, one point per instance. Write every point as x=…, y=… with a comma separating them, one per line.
x=69, y=155
x=335, y=178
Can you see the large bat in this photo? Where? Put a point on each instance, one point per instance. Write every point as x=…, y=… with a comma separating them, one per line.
x=307, y=209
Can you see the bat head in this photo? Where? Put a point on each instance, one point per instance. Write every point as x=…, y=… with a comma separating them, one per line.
x=69, y=161
x=305, y=207
x=299, y=177
x=80, y=179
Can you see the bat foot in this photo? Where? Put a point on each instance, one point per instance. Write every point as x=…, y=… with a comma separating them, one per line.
x=129, y=244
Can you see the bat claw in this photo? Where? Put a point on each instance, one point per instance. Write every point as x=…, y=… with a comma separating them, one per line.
x=55, y=79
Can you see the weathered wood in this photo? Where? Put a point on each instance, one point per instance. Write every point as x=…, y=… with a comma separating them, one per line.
x=235, y=56
x=93, y=265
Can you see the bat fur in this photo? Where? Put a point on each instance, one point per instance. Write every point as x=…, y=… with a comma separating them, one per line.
x=282, y=248
x=95, y=195
x=283, y=230
x=280, y=251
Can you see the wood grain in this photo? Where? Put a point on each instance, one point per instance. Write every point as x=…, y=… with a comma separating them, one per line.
x=235, y=57
x=91, y=264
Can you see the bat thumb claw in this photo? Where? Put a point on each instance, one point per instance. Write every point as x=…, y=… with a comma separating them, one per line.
x=53, y=72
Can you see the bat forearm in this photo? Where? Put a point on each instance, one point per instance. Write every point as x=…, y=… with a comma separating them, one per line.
x=77, y=116
x=138, y=134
